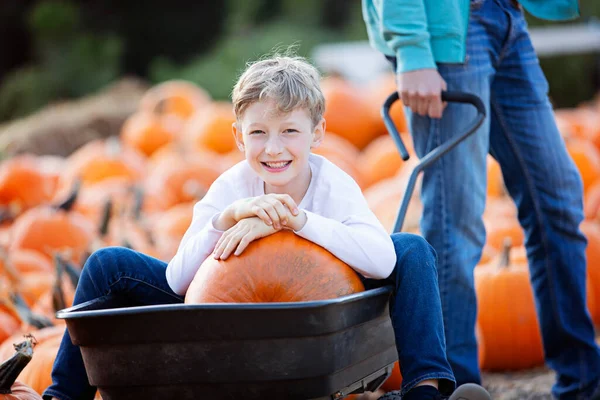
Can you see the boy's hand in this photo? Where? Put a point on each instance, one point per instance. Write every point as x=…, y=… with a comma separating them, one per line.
x=236, y=239
x=272, y=209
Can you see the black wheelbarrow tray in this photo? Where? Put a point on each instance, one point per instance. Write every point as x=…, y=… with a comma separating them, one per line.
x=306, y=350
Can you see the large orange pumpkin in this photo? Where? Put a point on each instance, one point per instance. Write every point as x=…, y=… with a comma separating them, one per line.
x=10, y=389
x=507, y=316
x=282, y=267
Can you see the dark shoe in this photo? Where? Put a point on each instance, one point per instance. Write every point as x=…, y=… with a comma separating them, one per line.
x=468, y=391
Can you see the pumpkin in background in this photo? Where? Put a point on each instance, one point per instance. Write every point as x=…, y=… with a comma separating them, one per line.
x=381, y=159
x=10, y=369
x=48, y=229
x=282, y=267
x=507, y=316
x=581, y=122
x=146, y=132
x=178, y=181
x=335, y=144
x=394, y=381
x=211, y=128
x=591, y=202
x=170, y=226
x=9, y=321
x=177, y=98
x=495, y=181
x=379, y=90
x=23, y=184
x=499, y=227
x=592, y=253
x=342, y=153
x=347, y=112
x=102, y=159
x=586, y=158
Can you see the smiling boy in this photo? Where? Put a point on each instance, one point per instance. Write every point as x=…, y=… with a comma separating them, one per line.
x=279, y=109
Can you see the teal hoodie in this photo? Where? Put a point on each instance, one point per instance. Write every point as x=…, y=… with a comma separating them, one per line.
x=421, y=33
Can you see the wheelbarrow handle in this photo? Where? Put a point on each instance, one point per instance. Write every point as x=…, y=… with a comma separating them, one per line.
x=436, y=153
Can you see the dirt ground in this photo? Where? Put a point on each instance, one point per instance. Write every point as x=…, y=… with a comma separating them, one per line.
x=534, y=384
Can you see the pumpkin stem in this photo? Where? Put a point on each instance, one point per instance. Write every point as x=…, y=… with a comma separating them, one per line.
x=105, y=220
x=505, y=255
x=58, y=296
x=26, y=315
x=72, y=272
x=11, y=368
x=138, y=202
x=7, y=214
x=69, y=202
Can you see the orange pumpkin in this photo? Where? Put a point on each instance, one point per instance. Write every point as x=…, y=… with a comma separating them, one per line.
x=23, y=183
x=499, y=227
x=379, y=90
x=169, y=228
x=282, y=267
x=381, y=159
x=592, y=232
x=347, y=112
x=591, y=202
x=174, y=97
x=48, y=229
x=181, y=181
x=9, y=324
x=211, y=128
x=146, y=132
x=587, y=159
x=10, y=389
x=394, y=381
x=495, y=181
x=507, y=316
x=102, y=159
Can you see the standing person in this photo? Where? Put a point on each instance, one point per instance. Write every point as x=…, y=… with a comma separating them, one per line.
x=483, y=47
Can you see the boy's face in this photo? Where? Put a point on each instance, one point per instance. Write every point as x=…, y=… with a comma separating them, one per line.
x=277, y=146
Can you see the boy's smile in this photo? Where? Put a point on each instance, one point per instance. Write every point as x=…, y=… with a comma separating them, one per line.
x=277, y=146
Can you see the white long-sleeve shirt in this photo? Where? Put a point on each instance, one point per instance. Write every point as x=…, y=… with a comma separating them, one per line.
x=338, y=219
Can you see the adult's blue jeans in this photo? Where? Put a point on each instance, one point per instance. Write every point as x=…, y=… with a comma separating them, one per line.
x=415, y=310
x=521, y=134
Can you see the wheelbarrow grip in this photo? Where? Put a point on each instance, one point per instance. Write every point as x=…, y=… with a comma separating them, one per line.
x=436, y=153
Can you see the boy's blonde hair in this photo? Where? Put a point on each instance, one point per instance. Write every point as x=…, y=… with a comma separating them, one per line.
x=290, y=81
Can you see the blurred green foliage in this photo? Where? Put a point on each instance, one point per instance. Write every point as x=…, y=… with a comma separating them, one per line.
x=79, y=50
x=68, y=62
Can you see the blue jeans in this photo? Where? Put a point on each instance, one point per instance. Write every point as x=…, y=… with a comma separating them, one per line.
x=520, y=133
x=415, y=310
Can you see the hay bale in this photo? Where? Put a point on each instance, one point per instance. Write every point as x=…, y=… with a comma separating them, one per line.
x=61, y=128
